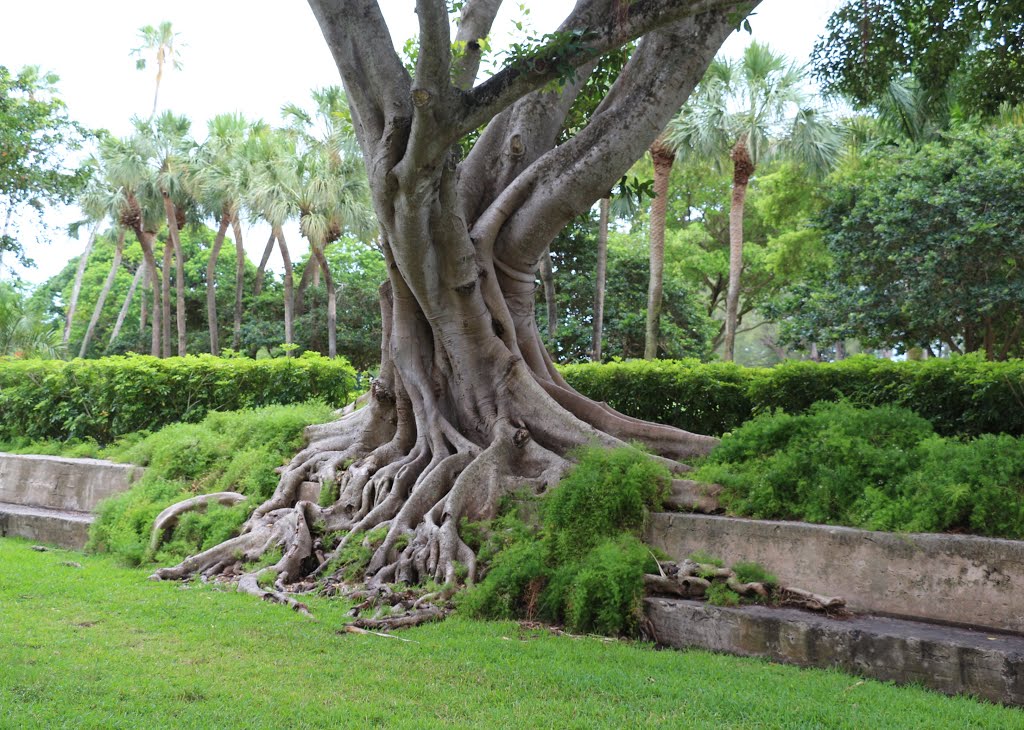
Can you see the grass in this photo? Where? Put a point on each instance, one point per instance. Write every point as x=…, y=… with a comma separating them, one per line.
x=101, y=647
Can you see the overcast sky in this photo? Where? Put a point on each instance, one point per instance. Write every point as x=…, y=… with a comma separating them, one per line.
x=249, y=56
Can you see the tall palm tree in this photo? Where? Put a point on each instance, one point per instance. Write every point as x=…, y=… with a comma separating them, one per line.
x=218, y=178
x=165, y=47
x=662, y=155
x=744, y=113
x=126, y=170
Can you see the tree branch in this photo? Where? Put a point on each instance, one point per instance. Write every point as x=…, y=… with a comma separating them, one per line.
x=435, y=55
x=474, y=25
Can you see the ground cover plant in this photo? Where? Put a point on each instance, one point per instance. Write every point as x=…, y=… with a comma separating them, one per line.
x=880, y=468
x=99, y=646
x=234, y=451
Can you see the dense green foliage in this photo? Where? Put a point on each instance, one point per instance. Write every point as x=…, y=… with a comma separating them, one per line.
x=880, y=468
x=926, y=247
x=101, y=647
x=968, y=48
x=24, y=330
x=104, y=399
x=586, y=565
x=36, y=141
x=236, y=451
x=960, y=396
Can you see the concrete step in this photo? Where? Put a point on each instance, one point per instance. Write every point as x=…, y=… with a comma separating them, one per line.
x=64, y=528
x=62, y=483
x=949, y=659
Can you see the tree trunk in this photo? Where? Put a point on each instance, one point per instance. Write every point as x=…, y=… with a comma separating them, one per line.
x=262, y=268
x=289, y=290
x=467, y=407
x=165, y=292
x=547, y=277
x=663, y=157
x=179, y=277
x=743, y=168
x=312, y=264
x=147, y=283
x=140, y=274
x=98, y=309
x=236, y=332
x=332, y=302
x=146, y=240
x=211, y=280
x=600, y=276
x=76, y=289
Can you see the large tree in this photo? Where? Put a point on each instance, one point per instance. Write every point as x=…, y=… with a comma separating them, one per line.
x=467, y=405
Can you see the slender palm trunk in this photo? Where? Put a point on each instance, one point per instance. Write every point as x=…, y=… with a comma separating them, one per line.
x=98, y=309
x=165, y=293
x=76, y=289
x=600, y=276
x=332, y=302
x=236, y=332
x=211, y=281
x=743, y=168
x=307, y=278
x=547, y=277
x=146, y=240
x=289, y=289
x=140, y=273
x=663, y=158
x=262, y=268
x=179, y=277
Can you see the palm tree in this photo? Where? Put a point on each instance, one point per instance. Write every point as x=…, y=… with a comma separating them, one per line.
x=126, y=170
x=662, y=155
x=747, y=112
x=24, y=332
x=218, y=178
x=163, y=42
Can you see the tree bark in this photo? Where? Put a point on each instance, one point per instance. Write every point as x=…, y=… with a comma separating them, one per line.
x=139, y=275
x=308, y=271
x=179, y=278
x=743, y=168
x=547, y=277
x=289, y=293
x=262, y=268
x=468, y=406
x=332, y=302
x=236, y=331
x=599, y=279
x=98, y=309
x=76, y=288
x=663, y=157
x=211, y=281
x=165, y=293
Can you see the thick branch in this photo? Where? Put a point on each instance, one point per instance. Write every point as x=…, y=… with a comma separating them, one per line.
x=474, y=25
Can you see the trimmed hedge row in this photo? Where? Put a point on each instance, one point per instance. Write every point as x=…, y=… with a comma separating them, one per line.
x=107, y=398
x=961, y=396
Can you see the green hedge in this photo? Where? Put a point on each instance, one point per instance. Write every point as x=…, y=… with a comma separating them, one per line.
x=963, y=396
x=107, y=398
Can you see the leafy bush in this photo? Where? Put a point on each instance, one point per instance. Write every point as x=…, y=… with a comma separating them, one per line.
x=235, y=451
x=879, y=468
x=960, y=396
x=585, y=565
x=102, y=400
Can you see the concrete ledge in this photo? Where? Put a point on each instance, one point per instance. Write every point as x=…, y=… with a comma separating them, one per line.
x=950, y=660
x=55, y=527
x=64, y=484
x=958, y=579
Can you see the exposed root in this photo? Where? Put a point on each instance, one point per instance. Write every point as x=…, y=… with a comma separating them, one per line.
x=690, y=579
x=167, y=520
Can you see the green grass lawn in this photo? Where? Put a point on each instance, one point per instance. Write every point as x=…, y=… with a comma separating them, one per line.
x=101, y=647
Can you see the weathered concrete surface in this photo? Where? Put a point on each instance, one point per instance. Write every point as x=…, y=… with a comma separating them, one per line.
x=947, y=659
x=63, y=484
x=960, y=579
x=56, y=527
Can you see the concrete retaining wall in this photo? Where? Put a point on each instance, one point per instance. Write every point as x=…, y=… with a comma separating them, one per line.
x=62, y=484
x=958, y=579
x=950, y=660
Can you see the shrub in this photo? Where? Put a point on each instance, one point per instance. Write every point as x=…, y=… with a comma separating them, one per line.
x=585, y=564
x=107, y=398
x=963, y=395
x=879, y=468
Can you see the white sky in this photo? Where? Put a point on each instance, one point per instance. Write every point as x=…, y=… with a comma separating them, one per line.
x=249, y=56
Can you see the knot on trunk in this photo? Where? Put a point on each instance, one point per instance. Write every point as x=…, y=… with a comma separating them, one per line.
x=420, y=97
x=381, y=392
x=516, y=147
x=520, y=437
